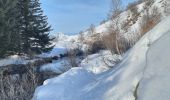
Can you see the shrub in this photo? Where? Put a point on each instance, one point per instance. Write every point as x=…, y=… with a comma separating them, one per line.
x=95, y=46
x=72, y=55
x=18, y=87
x=116, y=45
x=92, y=29
x=109, y=41
x=166, y=5
x=81, y=37
x=149, y=20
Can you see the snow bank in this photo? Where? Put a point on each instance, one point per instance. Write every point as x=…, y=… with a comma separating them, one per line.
x=59, y=88
x=155, y=85
x=100, y=62
x=59, y=66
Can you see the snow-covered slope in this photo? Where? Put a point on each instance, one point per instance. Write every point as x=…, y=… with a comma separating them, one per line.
x=131, y=33
x=145, y=64
x=155, y=82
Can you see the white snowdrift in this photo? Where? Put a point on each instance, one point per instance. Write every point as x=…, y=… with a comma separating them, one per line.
x=120, y=83
x=100, y=62
x=59, y=66
x=74, y=77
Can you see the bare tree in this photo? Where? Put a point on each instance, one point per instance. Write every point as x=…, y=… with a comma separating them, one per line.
x=115, y=18
x=56, y=38
x=116, y=9
x=72, y=54
x=109, y=41
x=148, y=3
x=149, y=20
x=166, y=5
x=92, y=29
x=81, y=37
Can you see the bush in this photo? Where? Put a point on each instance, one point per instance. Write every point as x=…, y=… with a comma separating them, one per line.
x=112, y=43
x=133, y=4
x=166, y=5
x=18, y=87
x=72, y=56
x=96, y=46
x=109, y=42
x=81, y=37
x=149, y=20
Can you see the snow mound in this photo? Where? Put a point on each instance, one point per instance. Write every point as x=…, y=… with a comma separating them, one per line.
x=100, y=62
x=59, y=66
x=54, y=90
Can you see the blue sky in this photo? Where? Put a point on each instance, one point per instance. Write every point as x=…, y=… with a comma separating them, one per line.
x=72, y=16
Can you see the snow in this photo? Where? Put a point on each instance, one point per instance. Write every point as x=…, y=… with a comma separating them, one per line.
x=15, y=59
x=70, y=79
x=120, y=82
x=59, y=66
x=156, y=80
x=62, y=44
x=145, y=64
x=99, y=62
x=55, y=52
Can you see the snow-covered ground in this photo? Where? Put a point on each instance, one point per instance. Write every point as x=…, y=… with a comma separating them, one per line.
x=59, y=66
x=15, y=59
x=146, y=64
x=100, y=62
x=155, y=83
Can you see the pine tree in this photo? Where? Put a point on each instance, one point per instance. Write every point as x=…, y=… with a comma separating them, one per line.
x=9, y=32
x=35, y=29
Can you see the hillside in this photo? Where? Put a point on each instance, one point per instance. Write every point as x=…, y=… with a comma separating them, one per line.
x=130, y=25
x=131, y=34
x=144, y=69
x=142, y=73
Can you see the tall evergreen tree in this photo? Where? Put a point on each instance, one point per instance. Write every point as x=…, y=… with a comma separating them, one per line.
x=9, y=32
x=35, y=29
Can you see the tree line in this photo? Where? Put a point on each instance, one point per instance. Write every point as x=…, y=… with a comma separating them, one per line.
x=23, y=28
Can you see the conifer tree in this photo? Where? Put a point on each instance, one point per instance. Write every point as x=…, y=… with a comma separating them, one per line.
x=35, y=29
x=9, y=32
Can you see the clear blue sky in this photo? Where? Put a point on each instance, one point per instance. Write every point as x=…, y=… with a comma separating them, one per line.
x=72, y=16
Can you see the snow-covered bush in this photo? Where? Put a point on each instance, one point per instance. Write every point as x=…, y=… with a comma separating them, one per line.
x=149, y=20
x=96, y=46
x=166, y=5
x=18, y=86
x=72, y=56
x=111, y=44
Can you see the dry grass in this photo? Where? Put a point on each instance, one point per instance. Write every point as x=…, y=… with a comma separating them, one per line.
x=150, y=20
x=111, y=42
